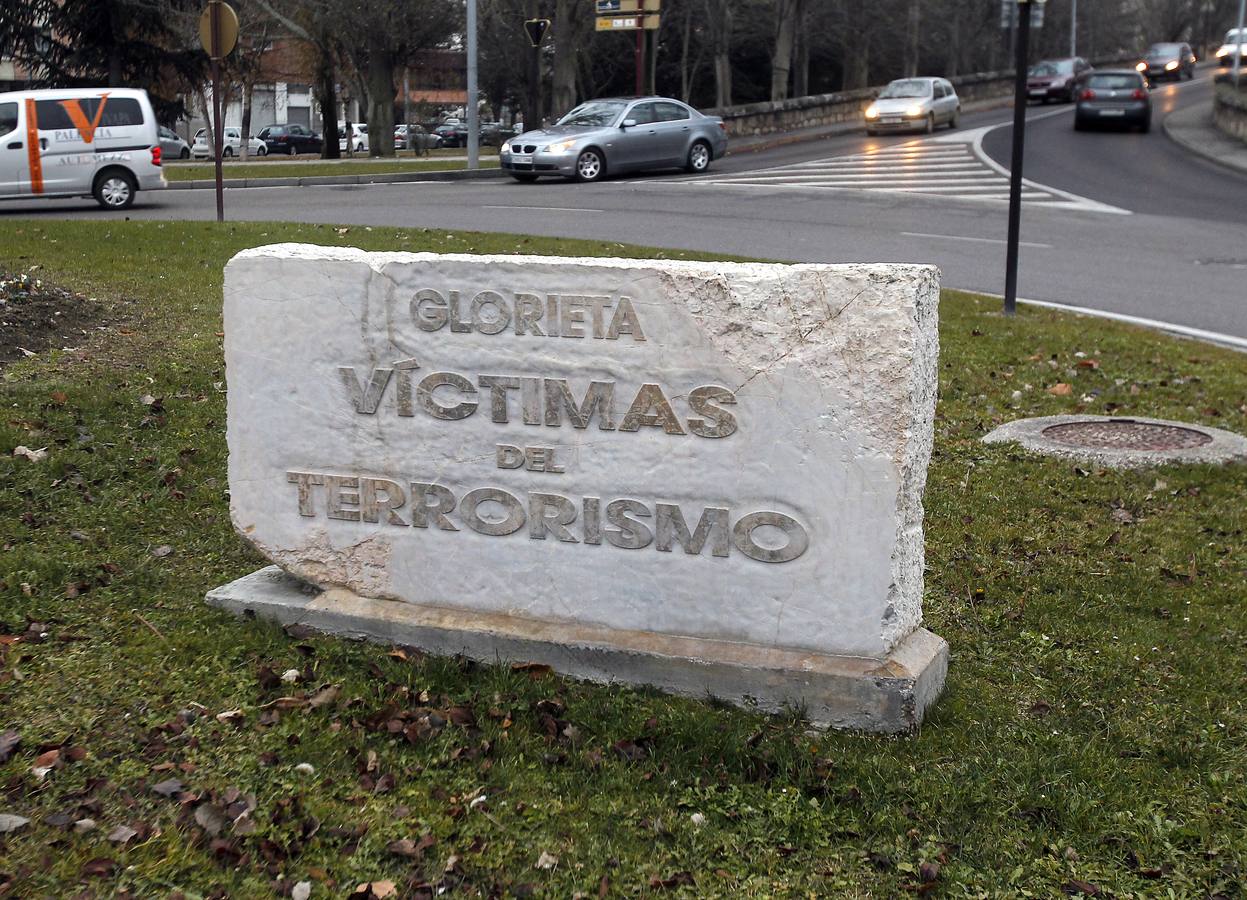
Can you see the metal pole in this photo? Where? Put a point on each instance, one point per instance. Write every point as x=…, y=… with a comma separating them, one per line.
x=407, y=109
x=474, y=125
x=1073, y=28
x=218, y=131
x=1015, y=167
x=1237, y=61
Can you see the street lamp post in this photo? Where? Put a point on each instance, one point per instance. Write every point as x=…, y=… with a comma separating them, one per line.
x=1015, y=167
x=474, y=125
x=1073, y=28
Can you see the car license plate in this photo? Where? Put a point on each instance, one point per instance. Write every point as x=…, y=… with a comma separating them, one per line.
x=524, y=159
x=1038, y=92
x=891, y=120
x=1112, y=112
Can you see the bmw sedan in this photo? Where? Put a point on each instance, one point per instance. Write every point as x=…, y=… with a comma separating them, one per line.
x=617, y=135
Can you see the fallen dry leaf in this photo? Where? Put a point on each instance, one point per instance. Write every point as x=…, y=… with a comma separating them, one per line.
x=121, y=834
x=10, y=822
x=8, y=743
x=1060, y=389
x=32, y=455
x=547, y=860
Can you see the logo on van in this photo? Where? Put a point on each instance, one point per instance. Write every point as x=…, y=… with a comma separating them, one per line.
x=85, y=127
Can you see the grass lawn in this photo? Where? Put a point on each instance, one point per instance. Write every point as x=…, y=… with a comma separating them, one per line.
x=1093, y=737
x=193, y=171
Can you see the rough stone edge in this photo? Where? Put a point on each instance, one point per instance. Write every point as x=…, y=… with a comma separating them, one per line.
x=1226, y=446
x=890, y=695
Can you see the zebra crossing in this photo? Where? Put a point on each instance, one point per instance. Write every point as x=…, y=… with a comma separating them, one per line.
x=952, y=166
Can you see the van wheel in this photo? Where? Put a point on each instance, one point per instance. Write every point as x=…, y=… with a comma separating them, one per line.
x=115, y=189
x=185, y=154
x=227, y=152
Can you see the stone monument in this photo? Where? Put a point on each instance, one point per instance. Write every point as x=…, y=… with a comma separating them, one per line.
x=706, y=477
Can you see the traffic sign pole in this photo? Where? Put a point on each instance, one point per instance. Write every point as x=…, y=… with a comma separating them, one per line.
x=1015, y=166
x=218, y=132
x=474, y=125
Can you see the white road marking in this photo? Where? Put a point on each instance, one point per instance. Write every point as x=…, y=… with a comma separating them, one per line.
x=1212, y=337
x=577, y=209
x=952, y=165
x=977, y=240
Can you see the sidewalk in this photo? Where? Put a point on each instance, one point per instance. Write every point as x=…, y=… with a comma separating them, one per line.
x=1193, y=129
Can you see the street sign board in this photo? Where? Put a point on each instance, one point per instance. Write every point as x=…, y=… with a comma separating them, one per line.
x=1009, y=12
x=628, y=23
x=606, y=7
x=227, y=29
x=536, y=29
x=613, y=7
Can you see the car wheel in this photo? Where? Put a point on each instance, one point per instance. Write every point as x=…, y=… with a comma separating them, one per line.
x=185, y=154
x=262, y=150
x=290, y=150
x=930, y=126
x=1146, y=125
x=524, y=177
x=590, y=166
x=227, y=152
x=114, y=189
x=1080, y=124
x=698, y=157
x=956, y=118
x=870, y=132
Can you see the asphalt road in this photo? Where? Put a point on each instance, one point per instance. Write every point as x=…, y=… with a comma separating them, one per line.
x=1118, y=221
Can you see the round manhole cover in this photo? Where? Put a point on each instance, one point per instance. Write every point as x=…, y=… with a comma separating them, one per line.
x=1122, y=443
x=1126, y=434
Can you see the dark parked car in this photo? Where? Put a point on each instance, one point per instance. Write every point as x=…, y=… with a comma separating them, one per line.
x=1167, y=61
x=1056, y=79
x=457, y=135
x=449, y=135
x=1116, y=96
x=290, y=139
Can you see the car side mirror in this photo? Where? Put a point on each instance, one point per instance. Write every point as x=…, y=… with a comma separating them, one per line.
x=628, y=123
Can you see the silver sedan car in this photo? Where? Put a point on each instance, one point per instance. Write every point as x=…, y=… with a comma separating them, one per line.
x=615, y=136
x=914, y=104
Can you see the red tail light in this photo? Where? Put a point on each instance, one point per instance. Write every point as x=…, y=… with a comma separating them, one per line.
x=1087, y=95
x=1139, y=94
x=156, y=155
x=723, y=127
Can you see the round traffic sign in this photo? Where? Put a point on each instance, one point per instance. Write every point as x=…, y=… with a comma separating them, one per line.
x=227, y=28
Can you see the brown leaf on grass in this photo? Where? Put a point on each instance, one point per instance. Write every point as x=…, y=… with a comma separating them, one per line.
x=929, y=872
x=1060, y=389
x=1088, y=364
x=325, y=696
x=679, y=879
x=100, y=867
x=632, y=751
x=45, y=763
x=269, y=680
x=284, y=703
x=1074, y=886
x=211, y=818
x=122, y=834
x=1040, y=708
x=298, y=632
x=534, y=670
x=462, y=716
x=9, y=741
x=162, y=551
x=169, y=788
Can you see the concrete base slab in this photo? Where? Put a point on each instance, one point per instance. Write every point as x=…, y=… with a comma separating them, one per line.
x=888, y=695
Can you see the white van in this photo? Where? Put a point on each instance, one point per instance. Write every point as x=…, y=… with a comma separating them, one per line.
x=89, y=142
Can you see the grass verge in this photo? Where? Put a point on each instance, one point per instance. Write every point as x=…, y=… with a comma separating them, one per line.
x=1091, y=738
x=200, y=171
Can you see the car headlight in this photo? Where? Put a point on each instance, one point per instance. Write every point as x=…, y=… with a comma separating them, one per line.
x=872, y=112
x=560, y=147
x=505, y=148
x=1223, y=51
x=1142, y=67
x=914, y=111
x=1171, y=65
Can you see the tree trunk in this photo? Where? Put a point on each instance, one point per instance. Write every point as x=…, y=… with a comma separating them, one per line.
x=952, y=58
x=685, y=75
x=781, y=55
x=327, y=97
x=381, y=100
x=719, y=19
x=244, y=146
x=911, y=39
x=566, y=46
x=801, y=62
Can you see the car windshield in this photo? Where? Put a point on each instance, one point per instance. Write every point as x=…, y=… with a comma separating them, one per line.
x=594, y=114
x=906, y=88
x=1052, y=67
x=1232, y=36
x=1162, y=50
x=1122, y=82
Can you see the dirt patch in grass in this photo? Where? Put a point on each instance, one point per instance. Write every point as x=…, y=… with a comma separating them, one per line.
x=35, y=316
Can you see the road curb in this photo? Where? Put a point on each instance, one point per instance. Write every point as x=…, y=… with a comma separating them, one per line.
x=1193, y=136
x=310, y=180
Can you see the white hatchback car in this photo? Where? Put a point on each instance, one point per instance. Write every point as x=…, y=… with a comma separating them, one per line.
x=359, y=137
x=914, y=104
x=231, y=146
